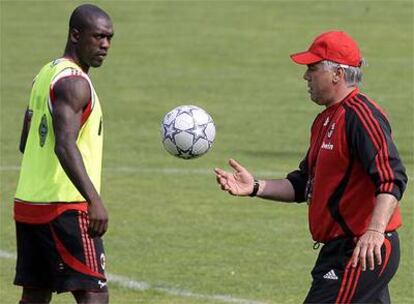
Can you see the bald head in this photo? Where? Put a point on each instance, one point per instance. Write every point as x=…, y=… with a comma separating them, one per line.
x=84, y=16
x=89, y=38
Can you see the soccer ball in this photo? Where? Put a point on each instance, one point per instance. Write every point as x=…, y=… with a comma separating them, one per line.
x=187, y=131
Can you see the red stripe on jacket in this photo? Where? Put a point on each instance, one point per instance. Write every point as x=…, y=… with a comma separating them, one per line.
x=384, y=156
x=375, y=137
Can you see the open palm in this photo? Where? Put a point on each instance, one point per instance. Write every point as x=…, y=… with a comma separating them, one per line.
x=240, y=182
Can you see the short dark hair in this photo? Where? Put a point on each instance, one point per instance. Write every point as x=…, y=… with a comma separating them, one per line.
x=83, y=16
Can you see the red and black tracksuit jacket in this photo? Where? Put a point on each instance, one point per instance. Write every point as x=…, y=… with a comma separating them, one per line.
x=351, y=159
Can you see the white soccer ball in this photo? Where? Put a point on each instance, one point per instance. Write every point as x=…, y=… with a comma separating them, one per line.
x=187, y=131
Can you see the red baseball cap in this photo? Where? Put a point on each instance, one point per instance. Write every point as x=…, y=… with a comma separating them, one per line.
x=336, y=46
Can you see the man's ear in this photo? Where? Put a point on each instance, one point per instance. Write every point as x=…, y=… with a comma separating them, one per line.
x=338, y=74
x=74, y=35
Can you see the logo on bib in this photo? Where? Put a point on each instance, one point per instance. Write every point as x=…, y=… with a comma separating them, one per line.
x=43, y=130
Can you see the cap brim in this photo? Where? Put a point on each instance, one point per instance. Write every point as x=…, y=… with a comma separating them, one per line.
x=305, y=58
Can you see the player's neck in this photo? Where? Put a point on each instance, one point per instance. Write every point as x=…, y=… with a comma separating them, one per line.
x=70, y=54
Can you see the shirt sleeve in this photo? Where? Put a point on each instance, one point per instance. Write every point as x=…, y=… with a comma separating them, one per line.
x=298, y=179
x=370, y=141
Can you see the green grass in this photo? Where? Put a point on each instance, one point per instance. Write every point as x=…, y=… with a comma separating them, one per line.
x=231, y=58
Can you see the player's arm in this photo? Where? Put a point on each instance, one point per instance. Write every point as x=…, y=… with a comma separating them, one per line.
x=241, y=183
x=71, y=95
x=25, y=130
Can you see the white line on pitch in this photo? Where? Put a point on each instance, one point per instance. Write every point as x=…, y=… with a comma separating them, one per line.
x=167, y=171
x=143, y=286
x=171, y=171
x=6, y=255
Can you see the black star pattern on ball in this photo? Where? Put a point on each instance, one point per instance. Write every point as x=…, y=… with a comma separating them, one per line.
x=185, y=153
x=170, y=131
x=198, y=131
x=186, y=110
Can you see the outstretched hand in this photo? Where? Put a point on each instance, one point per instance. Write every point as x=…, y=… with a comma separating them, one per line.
x=238, y=183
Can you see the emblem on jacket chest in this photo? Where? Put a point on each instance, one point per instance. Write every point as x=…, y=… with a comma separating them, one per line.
x=331, y=130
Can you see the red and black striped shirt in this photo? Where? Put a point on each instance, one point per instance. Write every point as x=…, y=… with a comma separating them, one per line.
x=351, y=159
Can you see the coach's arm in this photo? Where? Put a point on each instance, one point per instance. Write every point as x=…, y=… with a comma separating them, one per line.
x=241, y=183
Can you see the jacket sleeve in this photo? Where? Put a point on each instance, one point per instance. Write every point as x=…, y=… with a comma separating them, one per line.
x=299, y=179
x=370, y=141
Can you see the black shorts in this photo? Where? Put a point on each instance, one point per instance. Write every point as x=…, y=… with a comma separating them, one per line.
x=60, y=255
x=335, y=281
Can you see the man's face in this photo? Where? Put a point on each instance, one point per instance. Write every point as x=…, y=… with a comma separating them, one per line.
x=94, y=42
x=319, y=83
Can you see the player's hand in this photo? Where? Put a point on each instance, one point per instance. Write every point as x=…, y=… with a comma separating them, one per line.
x=368, y=250
x=239, y=183
x=98, y=219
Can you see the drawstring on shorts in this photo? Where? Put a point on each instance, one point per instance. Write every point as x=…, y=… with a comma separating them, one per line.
x=316, y=245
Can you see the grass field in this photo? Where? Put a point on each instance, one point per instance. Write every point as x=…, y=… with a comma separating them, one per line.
x=170, y=226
